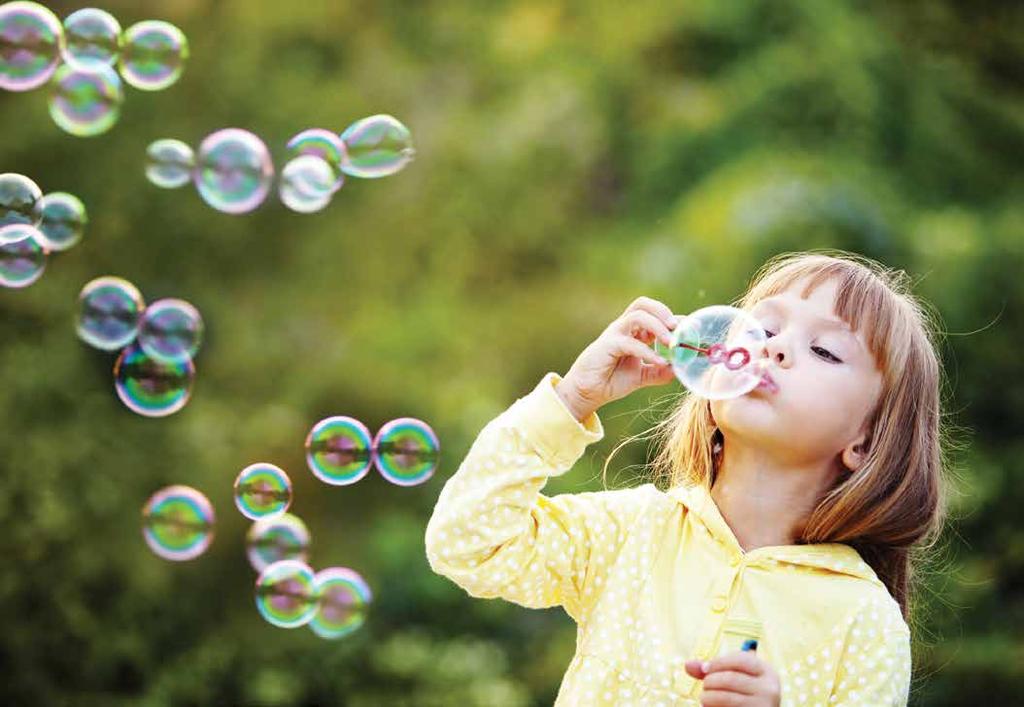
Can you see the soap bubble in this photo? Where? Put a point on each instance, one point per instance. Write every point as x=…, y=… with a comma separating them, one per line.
x=338, y=450
x=153, y=55
x=286, y=594
x=170, y=163
x=307, y=184
x=19, y=200
x=150, y=387
x=91, y=37
x=86, y=101
x=31, y=38
x=718, y=352
x=262, y=490
x=63, y=220
x=345, y=598
x=171, y=330
x=22, y=255
x=407, y=451
x=281, y=537
x=177, y=523
x=109, y=310
x=234, y=171
x=324, y=144
x=377, y=146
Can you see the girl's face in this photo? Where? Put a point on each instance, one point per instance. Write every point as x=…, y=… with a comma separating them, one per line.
x=826, y=382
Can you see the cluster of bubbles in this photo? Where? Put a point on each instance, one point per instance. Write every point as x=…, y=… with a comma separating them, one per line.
x=233, y=170
x=154, y=372
x=716, y=352
x=78, y=59
x=33, y=225
x=178, y=521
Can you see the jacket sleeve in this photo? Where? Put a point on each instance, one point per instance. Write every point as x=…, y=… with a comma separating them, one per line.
x=875, y=668
x=495, y=535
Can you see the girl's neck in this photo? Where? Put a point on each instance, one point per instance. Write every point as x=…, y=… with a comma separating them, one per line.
x=766, y=503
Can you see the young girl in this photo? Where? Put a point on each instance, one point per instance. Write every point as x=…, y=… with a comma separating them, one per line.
x=788, y=519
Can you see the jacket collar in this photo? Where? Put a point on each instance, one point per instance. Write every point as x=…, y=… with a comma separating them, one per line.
x=832, y=557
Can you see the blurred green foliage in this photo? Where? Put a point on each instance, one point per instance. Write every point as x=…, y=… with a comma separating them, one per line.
x=571, y=156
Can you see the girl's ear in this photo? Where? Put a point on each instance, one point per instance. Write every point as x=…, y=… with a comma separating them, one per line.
x=855, y=454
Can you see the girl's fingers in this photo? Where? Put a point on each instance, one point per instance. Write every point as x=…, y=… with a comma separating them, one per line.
x=656, y=375
x=622, y=345
x=721, y=698
x=653, y=306
x=640, y=324
x=743, y=661
x=731, y=681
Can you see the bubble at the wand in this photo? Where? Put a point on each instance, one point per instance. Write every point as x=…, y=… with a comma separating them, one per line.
x=280, y=537
x=19, y=201
x=22, y=255
x=31, y=40
x=177, y=523
x=407, y=451
x=307, y=184
x=153, y=55
x=338, y=450
x=286, y=594
x=324, y=144
x=262, y=490
x=717, y=352
x=169, y=163
x=109, y=310
x=149, y=387
x=234, y=171
x=171, y=330
x=91, y=37
x=62, y=220
x=345, y=599
x=377, y=146
x=86, y=101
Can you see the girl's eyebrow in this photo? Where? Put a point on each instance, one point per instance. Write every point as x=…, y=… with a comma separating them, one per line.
x=829, y=322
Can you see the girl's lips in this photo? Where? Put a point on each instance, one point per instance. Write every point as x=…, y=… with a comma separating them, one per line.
x=768, y=383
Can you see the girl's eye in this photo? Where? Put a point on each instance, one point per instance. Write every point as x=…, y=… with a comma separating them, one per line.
x=769, y=334
x=825, y=353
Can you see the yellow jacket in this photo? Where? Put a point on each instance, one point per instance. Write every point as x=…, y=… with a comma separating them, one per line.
x=655, y=578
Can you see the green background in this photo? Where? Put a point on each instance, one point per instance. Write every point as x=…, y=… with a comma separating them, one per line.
x=570, y=156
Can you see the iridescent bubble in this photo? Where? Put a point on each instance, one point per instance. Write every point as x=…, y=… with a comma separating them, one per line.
x=338, y=450
x=63, y=220
x=153, y=55
x=31, y=38
x=286, y=594
x=345, y=598
x=19, y=200
x=407, y=451
x=109, y=310
x=22, y=255
x=91, y=36
x=282, y=537
x=171, y=330
x=234, y=171
x=718, y=352
x=262, y=490
x=324, y=144
x=307, y=184
x=169, y=163
x=150, y=387
x=177, y=523
x=86, y=101
x=377, y=146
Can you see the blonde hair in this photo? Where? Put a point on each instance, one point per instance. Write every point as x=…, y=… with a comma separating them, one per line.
x=896, y=501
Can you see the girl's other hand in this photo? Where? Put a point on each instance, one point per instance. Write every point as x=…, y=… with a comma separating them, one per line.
x=739, y=679
x=620, y=360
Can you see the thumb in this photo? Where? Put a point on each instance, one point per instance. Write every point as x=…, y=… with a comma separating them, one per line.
x=695, y=669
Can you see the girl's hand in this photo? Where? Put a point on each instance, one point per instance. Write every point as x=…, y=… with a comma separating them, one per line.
x=737, y=679
x=620, y=360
